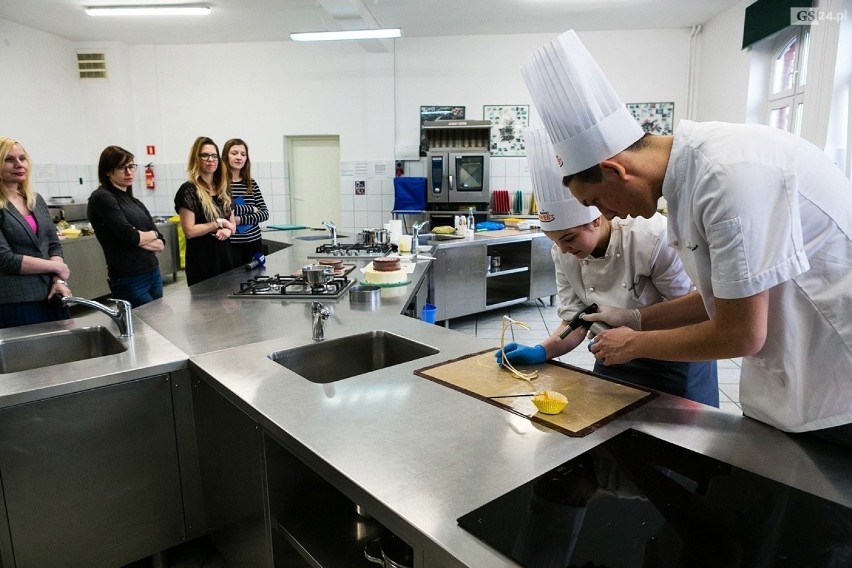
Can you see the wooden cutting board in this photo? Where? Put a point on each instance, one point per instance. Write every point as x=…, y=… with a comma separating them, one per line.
x=592, y=400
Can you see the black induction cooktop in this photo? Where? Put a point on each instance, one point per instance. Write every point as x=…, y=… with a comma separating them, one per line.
x=637, y=501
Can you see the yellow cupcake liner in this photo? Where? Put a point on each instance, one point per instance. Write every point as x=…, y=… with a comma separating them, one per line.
x=550, y=402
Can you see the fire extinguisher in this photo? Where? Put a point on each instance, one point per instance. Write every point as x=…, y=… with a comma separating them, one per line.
x=149, y=176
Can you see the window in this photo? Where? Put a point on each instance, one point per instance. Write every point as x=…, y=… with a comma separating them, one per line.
x=788, y=79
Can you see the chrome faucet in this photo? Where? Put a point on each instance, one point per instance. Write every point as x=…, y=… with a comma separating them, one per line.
x=332, y=228
x=121, y=315
x=415, y=235
x=319, y=314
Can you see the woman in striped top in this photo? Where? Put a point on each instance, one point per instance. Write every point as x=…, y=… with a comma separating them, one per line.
x=249, y=207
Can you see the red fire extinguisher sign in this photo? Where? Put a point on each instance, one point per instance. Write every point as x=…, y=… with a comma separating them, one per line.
x=149, y=176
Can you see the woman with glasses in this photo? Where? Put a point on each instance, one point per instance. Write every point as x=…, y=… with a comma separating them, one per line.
x=249, y=207
x=125, y=230
x=32, y=270
x=206, y=213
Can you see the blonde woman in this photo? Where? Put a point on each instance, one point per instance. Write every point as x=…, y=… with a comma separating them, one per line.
x=33, y=273
x=206, y=213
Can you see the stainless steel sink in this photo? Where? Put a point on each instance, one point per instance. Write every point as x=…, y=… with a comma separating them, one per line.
x=56, y=347
x=346, y=357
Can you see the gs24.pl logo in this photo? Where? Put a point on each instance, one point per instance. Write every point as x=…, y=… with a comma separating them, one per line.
x=813, y=16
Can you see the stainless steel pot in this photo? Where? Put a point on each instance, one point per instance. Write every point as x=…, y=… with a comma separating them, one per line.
x=317, y=274
x=389, y=551
x=375, y=237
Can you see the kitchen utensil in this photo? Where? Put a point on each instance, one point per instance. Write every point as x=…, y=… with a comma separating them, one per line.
x=375, y=237
x=366, y=296
x=389, y=551
x=316, y=274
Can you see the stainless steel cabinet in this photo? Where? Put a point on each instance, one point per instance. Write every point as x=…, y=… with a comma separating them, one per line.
x=464, y=283
x=91, y=479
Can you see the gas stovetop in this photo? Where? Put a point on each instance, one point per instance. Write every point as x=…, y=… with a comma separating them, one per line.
x=353, y=250
x=292, y=287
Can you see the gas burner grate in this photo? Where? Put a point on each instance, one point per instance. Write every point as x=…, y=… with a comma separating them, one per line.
x=357, y=249
x=291, y=287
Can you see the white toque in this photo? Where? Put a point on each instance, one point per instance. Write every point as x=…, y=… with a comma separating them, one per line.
x=558, y=210
x=584, y=117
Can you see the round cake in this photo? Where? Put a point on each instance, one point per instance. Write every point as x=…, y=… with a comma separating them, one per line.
x=335, y=263
x=386, y=264
x=386, y=270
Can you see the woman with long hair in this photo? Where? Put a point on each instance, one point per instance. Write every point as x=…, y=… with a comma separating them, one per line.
x=206, y=213
x=125, y=230
x=249, y=207
x=33, y=272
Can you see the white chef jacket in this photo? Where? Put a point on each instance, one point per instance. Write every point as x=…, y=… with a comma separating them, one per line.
x=637, y=270
x=753, y=208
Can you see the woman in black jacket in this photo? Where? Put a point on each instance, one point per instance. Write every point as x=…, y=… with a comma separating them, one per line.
x=125, y=230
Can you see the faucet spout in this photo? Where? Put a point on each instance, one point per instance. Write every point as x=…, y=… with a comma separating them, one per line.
x=332, y=228
x=319, y=314
x=415, y=235
x=121, y=315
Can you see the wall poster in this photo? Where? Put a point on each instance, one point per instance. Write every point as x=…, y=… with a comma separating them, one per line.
x=437, y=113
x=654, y=118
x=507, y=126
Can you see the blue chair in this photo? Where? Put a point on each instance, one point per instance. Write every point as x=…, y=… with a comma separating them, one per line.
x=409, y=198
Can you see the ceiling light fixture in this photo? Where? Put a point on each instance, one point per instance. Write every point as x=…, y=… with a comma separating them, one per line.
x=184, y=10
x=386, y=33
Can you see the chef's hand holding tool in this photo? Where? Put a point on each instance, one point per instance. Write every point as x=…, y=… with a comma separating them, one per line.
x=613, y=316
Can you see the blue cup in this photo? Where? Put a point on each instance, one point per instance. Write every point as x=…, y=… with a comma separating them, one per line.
x=428, y=313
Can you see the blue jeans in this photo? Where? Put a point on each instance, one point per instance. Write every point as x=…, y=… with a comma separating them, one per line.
x=138, y=289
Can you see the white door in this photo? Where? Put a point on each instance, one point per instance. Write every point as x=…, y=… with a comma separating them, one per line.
x=314, y=165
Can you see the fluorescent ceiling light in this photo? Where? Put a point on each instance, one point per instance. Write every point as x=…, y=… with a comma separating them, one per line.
x=348, y=34
x=148, y=10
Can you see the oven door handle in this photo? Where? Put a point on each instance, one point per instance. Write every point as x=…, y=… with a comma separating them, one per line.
x=450, y=178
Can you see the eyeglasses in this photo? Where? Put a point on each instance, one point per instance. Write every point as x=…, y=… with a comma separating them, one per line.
x=211, y=157
x=130, y=168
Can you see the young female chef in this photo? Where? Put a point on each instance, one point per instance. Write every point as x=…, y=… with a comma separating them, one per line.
x=763, y=223
x=622, y=262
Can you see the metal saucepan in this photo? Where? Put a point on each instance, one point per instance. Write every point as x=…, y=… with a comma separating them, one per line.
x=317, y=274
x=375, y=237
x=389, y=551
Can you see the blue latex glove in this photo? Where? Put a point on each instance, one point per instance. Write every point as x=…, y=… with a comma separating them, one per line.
x=518, y=354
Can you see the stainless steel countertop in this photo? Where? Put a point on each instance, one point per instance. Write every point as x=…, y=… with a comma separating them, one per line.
x=148, y=353
x=415, y=454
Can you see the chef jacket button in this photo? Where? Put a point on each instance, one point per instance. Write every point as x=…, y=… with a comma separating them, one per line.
x=624, y=284
x=618, y=255
x=591, y=289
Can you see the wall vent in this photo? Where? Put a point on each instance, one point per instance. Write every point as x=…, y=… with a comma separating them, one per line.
x=91, y=65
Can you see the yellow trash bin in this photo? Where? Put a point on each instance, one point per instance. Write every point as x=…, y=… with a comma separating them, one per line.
x=181, y=239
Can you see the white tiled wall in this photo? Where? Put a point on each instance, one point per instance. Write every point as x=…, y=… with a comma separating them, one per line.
x=372, y=209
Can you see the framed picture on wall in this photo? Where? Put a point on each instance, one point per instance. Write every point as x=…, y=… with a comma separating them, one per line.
x=507, y=126
x=654, y=118
x=437, y=113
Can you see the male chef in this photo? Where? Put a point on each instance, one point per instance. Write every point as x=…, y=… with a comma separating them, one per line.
x=762, y=220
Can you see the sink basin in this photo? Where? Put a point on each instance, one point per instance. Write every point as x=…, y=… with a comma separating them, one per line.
x=319, y=237
x=346, y=357
x=56, y=347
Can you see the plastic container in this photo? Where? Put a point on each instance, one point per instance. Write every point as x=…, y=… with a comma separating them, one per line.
x=428, y=313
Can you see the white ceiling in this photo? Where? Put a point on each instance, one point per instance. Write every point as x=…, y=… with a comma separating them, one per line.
x=273, y=20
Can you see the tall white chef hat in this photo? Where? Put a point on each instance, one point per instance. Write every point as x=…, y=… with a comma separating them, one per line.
x=585, y=119
x=557, y=208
